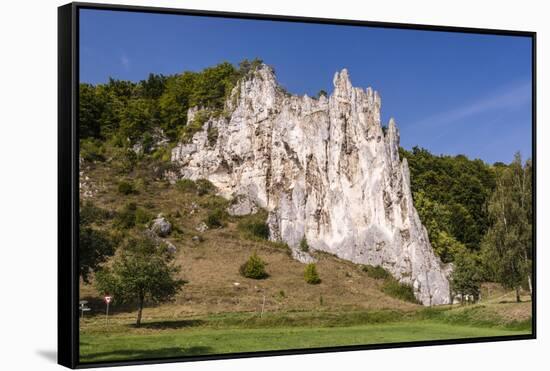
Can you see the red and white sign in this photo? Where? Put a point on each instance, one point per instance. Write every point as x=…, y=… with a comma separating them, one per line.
x=108, y=299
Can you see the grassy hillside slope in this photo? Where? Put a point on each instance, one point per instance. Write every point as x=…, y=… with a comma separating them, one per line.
x=212, y=266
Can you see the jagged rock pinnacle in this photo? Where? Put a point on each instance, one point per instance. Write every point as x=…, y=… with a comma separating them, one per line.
x=325, y=171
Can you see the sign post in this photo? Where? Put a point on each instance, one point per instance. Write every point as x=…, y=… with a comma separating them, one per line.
x=83, y=307
x=107, y=299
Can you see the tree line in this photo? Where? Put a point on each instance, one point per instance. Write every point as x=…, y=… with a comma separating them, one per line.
x=127, y=112
x=478, y=217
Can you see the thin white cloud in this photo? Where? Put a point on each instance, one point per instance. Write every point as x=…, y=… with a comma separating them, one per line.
x=125, y=61
x=512, y=98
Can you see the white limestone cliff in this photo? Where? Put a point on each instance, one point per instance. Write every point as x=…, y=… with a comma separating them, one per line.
x=324, y=170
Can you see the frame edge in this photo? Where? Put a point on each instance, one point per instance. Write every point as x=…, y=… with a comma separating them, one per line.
x=67, y=325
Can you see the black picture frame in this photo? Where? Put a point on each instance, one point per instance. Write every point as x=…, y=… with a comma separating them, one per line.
x=68, y=181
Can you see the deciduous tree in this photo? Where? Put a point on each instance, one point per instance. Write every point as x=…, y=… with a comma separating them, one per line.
x=143, y=271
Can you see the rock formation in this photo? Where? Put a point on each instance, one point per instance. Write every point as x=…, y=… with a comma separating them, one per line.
x=325, y=170
x=160, y=226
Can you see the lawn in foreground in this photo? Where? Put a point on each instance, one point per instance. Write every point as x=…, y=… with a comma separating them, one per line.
x=96, y=347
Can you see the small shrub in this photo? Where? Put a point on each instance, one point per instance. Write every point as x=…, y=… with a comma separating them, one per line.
x=204, y=187
x=399, y=290
x=303, y=245
x=140, y=185
x=254, y=268
x=117, y=140
x=212, y=135
x=282, y=246
x=142, y=216
x=89, y=213
x=125, y=160
x=158, y=169
x=147, y=142
x=310, y=274
x=211, y=202
x=253, y=227
x=215, y=218
x=378, y=272
x=126, y=188
x=259, y=229
x=131, y=215
x=126, y=218
x=162, y=153
x=149, y=205
x=195, y=126
x=92, y=150
x=186, y=185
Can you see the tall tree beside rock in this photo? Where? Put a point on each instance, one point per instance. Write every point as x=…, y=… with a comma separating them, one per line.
x=466, y=277
x=507, y=246
x=143, y=271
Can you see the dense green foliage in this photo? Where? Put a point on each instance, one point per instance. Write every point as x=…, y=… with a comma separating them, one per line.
x=451, y=195
x=399, y=290
x=478, y=216
x=204, y=187
x=376, y=272
x=507, y=246
x=254, y=268
x=95, y=244
x=304, y=245
x=141, y=272
x=125, y=187
x=131, y=216
x=254, y=226
x=125, y=112
x=310, y=274
x=215, y=217
x=96, y=247
x=467, y=275
x=201, y=186
x=90, y=213
x=186, y=185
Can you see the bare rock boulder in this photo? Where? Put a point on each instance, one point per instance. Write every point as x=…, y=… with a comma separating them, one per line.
x=242, y=205
x=161, y=226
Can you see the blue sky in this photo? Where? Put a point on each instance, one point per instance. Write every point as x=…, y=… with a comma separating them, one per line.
x=451, y=93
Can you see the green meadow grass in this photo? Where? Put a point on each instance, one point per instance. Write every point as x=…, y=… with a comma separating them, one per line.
x=243, y=332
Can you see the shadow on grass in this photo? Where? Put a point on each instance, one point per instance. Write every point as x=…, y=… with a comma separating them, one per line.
x=133, y=354
x=161, y=325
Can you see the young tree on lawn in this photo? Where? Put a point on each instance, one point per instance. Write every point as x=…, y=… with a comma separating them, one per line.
x=507, y=246
x=143, y=271
x=466, y=277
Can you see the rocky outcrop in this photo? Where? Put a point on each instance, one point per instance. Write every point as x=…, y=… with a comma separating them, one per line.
x=242, y=205
x=161, y=226
x=325, y=170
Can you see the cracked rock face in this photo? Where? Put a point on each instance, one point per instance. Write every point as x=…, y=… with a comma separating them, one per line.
x=323, y=169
